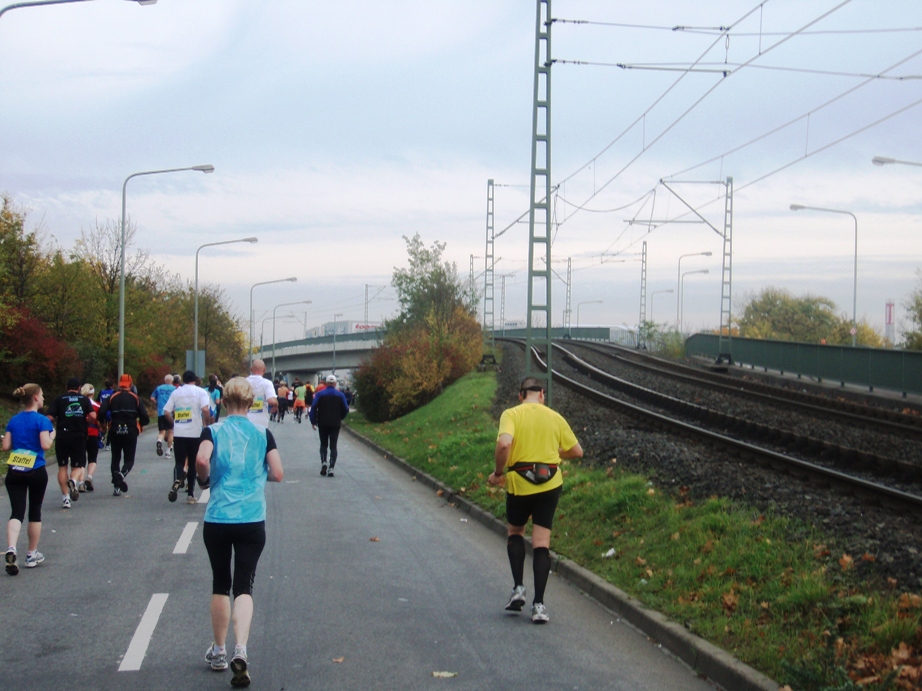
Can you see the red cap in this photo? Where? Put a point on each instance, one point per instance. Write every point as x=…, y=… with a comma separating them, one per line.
x=124, y=381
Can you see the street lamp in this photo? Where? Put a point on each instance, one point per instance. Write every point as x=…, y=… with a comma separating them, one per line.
x=284, y=304
x=262, y=283
x=678, y=318
x=585, y=302
x=334, y=340
x=195, y=337
x=682, y=292
x=653, y=295
x=207, y=168
x=801, y=207
x=39, y=3
x=884, y=160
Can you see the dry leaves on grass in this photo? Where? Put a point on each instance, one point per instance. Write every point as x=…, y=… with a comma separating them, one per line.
x=904, y=659
x=846, y=562
x=730, y=601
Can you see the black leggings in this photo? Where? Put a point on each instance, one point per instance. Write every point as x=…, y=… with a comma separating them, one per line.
x=328, y=435
x=246, y=540
x=20, y=483
x=92, y=449
x=185, y=449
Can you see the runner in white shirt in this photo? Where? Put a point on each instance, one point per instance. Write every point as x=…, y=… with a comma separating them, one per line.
x=189, y=410
x=265, y=399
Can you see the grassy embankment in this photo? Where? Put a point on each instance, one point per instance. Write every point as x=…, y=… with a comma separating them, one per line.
x=729, y=574
x=8, y=409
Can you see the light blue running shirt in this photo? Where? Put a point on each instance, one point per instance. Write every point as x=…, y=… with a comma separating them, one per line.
x=239, y=471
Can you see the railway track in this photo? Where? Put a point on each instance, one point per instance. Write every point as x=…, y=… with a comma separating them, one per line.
x=869, y=417
x=868, y=490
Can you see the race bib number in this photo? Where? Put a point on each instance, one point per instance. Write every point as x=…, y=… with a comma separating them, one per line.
x=22, y=459
x=183, y=415
x=257, y=406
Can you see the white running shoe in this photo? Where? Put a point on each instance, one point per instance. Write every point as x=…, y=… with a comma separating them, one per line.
x=516, y=599
x=539, y=613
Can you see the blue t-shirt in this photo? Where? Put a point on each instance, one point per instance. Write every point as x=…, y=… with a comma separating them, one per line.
x=162, y=394
x=25, y=428
x=239, y=471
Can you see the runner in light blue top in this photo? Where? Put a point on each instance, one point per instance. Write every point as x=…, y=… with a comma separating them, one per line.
x=236, y=457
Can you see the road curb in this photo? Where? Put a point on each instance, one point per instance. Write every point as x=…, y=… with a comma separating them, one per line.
x=705, y=658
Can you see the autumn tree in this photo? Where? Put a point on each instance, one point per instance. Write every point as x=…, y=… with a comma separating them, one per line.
x=434, y=340
x=912, y=338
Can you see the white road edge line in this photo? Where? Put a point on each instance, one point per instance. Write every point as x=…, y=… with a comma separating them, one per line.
x=182, y=545
x=137, y=649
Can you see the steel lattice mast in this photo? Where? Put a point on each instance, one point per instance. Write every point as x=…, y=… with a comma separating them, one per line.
x=538, y=326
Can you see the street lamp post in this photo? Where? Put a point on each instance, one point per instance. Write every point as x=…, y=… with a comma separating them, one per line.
x=682, y=292
x=585, y=302
x=334, y=340
x=801, y=207
x=678, y=318
x=284, y=304
x=653, y=295
x=39, y=3
x=884, y=160
x=262, y=283
x=195, y=337
x=207, y=168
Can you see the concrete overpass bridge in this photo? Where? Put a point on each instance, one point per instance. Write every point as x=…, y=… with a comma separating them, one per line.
x=309, y=357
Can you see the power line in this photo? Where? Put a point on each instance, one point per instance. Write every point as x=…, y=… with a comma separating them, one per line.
x=720, y=30
x=725, y=68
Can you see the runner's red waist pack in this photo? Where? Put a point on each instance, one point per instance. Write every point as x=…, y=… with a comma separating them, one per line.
x=535, y=473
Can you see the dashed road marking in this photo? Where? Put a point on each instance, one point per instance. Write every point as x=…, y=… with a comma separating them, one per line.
x=137, y=649
x=182, y=545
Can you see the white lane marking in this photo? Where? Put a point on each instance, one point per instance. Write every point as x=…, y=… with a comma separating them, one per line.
x=206, y=494
x=137, y=649
x=182, y=545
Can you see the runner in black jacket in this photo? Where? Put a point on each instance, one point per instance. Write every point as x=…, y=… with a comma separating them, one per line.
x=328, y=411
x=129, y=416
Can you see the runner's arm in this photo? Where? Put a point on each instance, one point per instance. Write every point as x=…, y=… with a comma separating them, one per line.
x=574, y=452
x=7, y=442
x=275, y=466
x=203, y=459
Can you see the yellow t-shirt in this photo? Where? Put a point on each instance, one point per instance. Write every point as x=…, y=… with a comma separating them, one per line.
x=538, y=433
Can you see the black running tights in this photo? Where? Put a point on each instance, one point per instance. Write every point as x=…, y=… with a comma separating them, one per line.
x=243, y=541
x=328, y=436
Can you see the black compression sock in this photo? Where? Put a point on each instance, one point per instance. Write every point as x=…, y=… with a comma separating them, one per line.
x=515, y=548
x=541, y=562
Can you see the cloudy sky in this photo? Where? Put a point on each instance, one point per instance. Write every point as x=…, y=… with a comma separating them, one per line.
x=337, y=128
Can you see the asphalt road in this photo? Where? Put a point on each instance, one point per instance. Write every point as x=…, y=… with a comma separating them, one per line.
x=334, y=609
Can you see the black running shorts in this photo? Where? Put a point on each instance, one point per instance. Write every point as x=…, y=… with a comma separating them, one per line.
x=70, y=448
x=540, y=507
x=163, y=424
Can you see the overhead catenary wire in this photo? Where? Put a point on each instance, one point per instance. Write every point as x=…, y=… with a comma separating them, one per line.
x=720, y=30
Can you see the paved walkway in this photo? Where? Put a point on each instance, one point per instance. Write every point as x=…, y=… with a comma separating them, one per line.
x=335, y=609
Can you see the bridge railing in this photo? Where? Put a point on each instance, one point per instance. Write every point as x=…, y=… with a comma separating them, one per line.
x=896, y=370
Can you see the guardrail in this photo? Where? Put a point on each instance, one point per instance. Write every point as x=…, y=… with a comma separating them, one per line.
x=896, y=370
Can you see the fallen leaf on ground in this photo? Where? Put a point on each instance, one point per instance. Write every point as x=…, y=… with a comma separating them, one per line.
x=375, y=539
x=846, y=562
x=440, y=492
x=640, y=561
x=338, y=659
x=444, y=675
x=729, y=601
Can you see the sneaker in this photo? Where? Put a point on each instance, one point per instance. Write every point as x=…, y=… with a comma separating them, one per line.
x=181, y=480
x=89, y=484
x=330, y=473
x=174, y=491
x=239, y=667
x=191, y=499
x=72, y=486
x=539, y=613
x=516, y=600
x=12, y=567
x=168, y=454
x=120, y=481
x=34, y=559
x=218, y=661
x=82, y=487
x=323, y=469
x=66, y=503
x=117, y=492
x=159, y=447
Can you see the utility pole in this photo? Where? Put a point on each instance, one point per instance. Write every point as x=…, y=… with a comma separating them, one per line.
x=489, y=324
x=568, y=312
x=539, y=213
x=641, y=331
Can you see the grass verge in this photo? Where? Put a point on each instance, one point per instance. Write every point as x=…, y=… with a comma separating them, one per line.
x=788, y=607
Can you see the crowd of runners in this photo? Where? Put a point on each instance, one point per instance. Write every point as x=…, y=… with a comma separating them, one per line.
x=232, y=459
